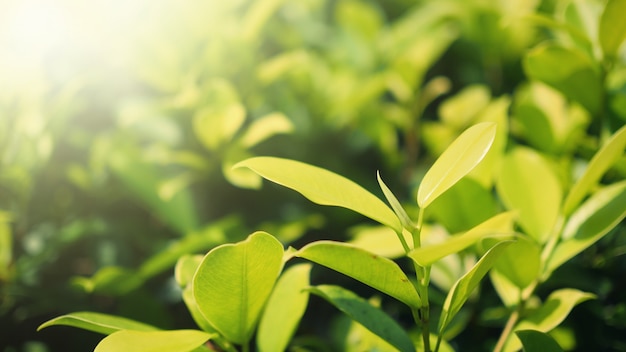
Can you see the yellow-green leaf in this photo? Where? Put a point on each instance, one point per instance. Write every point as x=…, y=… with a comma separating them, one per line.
x=97, y=322
x=153, y=341
x=612, y=29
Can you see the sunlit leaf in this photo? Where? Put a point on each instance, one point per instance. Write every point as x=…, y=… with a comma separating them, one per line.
x=462, y=289
x=537, y=341
x=404, y=218
x=256, y=17
x=590, y=222
x=112, y=280
x=599, y=164
x=521, y=262
x=153, y=341
x=373, y=270
x=264, y=128
x=367, y=315
x=234, y=281
x=612, y=28
x=240, y=177
x=508, y=292
x=186, y=267
x=379, y=239
x=459, y=110
x=97, y=322
x=456, y=161
x=528, y=184
x=196, y=315
x=501, y=224
x=323, y=187
x=284, y=309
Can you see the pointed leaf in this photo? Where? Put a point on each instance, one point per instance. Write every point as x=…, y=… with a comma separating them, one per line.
x=367, y=315
x=608, y=155
x=323, y=187
x=264, y=128
x=527, y=183
x=612, y=30
x=154, y=341
x=284, y=309
x=466, y=284
x=591, y=221
x=497, y=225
x=234, y=281
x=456, y=161
x=537, y=341
x=97, y=322
x=404, y=218
x=373, y=270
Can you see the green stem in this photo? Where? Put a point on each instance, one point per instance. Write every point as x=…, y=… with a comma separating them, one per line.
x=508, y=329
x=423, y=280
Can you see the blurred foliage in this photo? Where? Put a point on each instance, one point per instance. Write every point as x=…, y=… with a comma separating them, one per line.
x=119, y=124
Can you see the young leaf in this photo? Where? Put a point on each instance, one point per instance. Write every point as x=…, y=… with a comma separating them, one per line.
x=264, y=128
x=404, y=218
x=154, y=341
x=323, y=187
x=521, y=262
x=284, y=309
x=599, y=164
x=466, y=284
x=185, y=268
x=591, y=221
x=373, y=270
x=97, y=322
x=537, y=341
x=527, y=183
x=612, y=31
x=456, y=161
x=367, y=315
x=499, y=224
x=234, y=281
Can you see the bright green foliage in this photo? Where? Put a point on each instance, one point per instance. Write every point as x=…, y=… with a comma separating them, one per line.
x=323, y=187
x=537, y=341
x=458, y=160
x=186, y=268
x=528, y=184
x=404, y=218
x=520, y=262
x=284, y=309
x=6, y=246
x=367, y=315
x=98, y=322
x=612, y=30
x=153, y=341
x=234, y=281
x=371, y=269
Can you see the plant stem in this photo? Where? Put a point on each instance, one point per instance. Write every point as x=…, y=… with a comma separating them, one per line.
x=508, y=329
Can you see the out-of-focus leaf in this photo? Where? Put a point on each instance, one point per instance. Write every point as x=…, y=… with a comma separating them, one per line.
x=6, y=245
x=97, y=322
x=592, y=220
x=240, y=177
x=608, y=155
x=373, y=270
x=367, y=315
x=284, y=309
x=264, y=128
x=521, y=262
x=462, y=289
x=154, y=341
x=233, y=282
x=459, y=110
x=323, y=187
x=186, y=267
x=612, y=28
x=110, y=280
x=527, y=184
x=537, y=341
x=379, y=240
x=256, y=17
x=508, y=292
x=456, y=161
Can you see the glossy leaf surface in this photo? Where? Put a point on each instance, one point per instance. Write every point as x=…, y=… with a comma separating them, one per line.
x=153, y=341
x=537, y=341
x=234, y=281
x=97, y=322
x=371, y=269
x=456, y=161
x=404, y=218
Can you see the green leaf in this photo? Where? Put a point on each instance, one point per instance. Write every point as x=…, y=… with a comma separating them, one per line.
x=456, y=161
x=607, y=156
x=367, y=315
x=459, y=110
x=591, y=221
x=373, y=270
x=551, y=313
x=521, y=262
x=154, y=341
x=97, y=322
x=196, y=315
x=404, y=218
x=508, y=292
x=6, y=246
x=497, y=225
x=323, y=187
x=537, y=341
x=462, y=289
x=111, y=280
x=264, y=128
x=234, y=281
x=284, y=309
x=612, y=28
x=527, y=184
x=186, y=267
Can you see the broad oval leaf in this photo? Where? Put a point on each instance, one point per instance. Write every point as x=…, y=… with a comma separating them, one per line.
x=527, y=184
x=323, y=187
x=456, y=161
x=234, y=281
x=462, y=289
x=185, y=268
x=372, y=318
x=284, y=309
x=592, y=220
x=154, y=341
x=537, y=341
x=97, y=322
x=599, y=164
x=612, y=29
x=521, y=262
x=371, y=269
